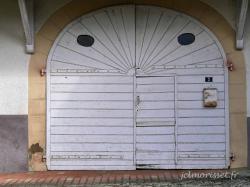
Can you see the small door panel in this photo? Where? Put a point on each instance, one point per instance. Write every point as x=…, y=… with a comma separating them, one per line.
x=155, y=125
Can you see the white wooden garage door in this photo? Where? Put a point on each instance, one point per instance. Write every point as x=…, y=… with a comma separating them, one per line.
x=125, y=91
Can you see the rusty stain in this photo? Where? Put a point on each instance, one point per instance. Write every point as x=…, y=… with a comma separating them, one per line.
x=34, y=148
x=36, y=158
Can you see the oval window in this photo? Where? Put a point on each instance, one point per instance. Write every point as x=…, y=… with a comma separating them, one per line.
x=186, y=39
x=85, y=40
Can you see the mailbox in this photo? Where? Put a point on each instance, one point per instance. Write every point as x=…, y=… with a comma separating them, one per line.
x=210, y=97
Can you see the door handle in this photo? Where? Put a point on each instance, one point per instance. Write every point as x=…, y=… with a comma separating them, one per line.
x=137, y=102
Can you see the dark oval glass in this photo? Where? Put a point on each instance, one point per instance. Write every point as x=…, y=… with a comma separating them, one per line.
x=85, y=40
x=186, y=39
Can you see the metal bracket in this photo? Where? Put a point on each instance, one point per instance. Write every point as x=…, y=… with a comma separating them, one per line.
x=42, y=72
x=240, y=23
x=27, y=14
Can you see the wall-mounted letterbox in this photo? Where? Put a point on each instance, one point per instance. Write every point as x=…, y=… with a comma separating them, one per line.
x=210, y=97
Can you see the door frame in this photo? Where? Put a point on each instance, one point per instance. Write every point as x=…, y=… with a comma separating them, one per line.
x=226, y=111
x=175, y=114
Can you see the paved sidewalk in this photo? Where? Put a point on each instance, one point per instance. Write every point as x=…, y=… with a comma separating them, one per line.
x=138, y=178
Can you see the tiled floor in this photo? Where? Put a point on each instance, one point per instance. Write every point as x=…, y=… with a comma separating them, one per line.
x=74, y=178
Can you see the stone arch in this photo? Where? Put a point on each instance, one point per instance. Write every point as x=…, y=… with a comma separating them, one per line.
x=198, y=10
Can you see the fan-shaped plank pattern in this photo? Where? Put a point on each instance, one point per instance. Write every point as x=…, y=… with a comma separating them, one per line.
x=126, y=37
x=113, y=49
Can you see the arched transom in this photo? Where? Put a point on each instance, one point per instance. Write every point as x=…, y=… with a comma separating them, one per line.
x=121, y=39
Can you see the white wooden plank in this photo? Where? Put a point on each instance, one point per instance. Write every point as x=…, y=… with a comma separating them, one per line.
x=92, y=79
x=155, y=138
x=95, y=167
x=91, y=130
x=148, y=21
x=213, y=112
x=147, y=105
x=207, y=121
x=98, y=49
x=202, y=40
x=201, y=155
x=201, y=166
x=66, y=65
x=177, y=25
x=152, y=155
x=92, y=96
x=204, y=161
x=92, y=155
x=91, y=147
x=92, y=122
x=201, y=129
x=91, y=162
x=142, y=20
x=155, y=88
x=156, y=113
x=185, y=70
x=122, y=19
x=175, y=51
x=156, y=162
x=128, y=18
x=158, y=121
x=199, y=87
x=154, y=80
x=197, y=105
x=156, y=166
x=85, y=72
x=157, y=96
x=97, y=30
x=201, y=138
x=155, y=147
x=70, y=56
x=92, y=113
x=208, y=52
x=147, y=123
x=91, y=88
x=154, y=130
x=196, y=96
x=92, y=138
x=200, y=79
x=111, y=32
x=69, y=41
x=201, y=146
x=160, y=29
x=92, y=105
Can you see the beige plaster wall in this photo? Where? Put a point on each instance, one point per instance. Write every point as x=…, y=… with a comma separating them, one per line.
x=14, y=68
x=200, y=11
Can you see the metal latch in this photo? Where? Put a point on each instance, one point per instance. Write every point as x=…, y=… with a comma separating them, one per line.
x=137, y=102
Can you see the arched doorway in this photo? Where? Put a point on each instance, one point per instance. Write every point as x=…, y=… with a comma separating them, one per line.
x=125, y=90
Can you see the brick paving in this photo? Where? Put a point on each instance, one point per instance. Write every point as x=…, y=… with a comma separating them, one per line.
x=93, y=178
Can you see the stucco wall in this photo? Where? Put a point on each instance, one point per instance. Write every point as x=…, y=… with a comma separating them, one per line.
x=225, y=7
x=13, y=60
x=13, y=143
x=44, y=9
x=14, y=68
x=14, y=63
